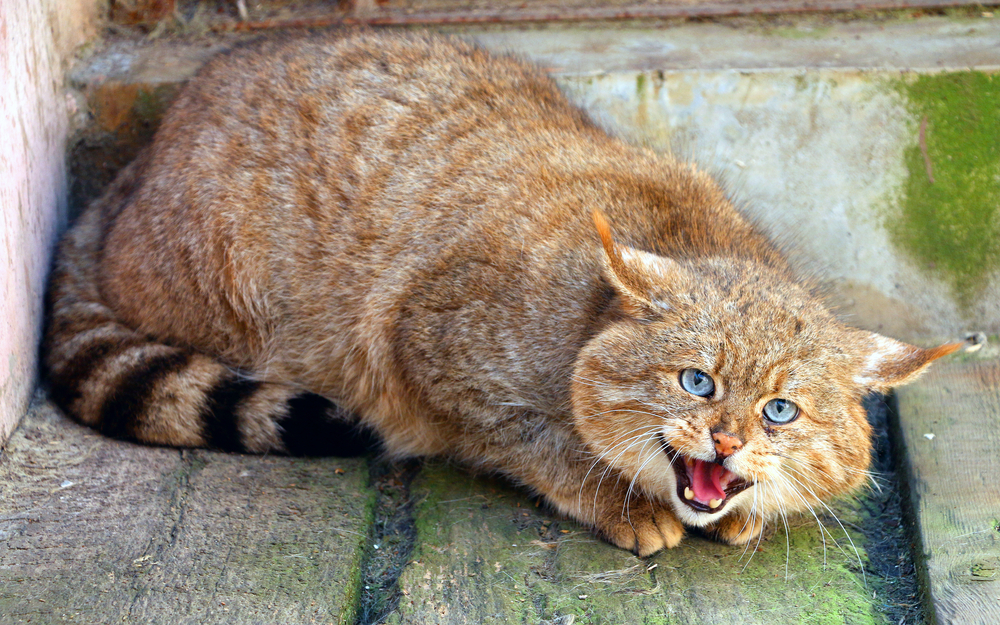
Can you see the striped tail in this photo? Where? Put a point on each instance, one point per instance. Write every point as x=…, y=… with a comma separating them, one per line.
x=127, y=386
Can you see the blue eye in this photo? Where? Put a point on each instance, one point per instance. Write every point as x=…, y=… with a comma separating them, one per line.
x=697, y=382
x=780, y=411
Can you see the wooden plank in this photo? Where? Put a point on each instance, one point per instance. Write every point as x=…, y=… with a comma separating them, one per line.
x=95, y=530
x=486, y=554
x=950, y=423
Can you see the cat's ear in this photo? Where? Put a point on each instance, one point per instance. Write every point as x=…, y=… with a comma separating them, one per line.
x=886, y=362
x=636, y=275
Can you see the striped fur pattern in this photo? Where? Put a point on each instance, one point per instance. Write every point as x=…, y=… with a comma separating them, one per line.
x=333, y=237
x=128, y=386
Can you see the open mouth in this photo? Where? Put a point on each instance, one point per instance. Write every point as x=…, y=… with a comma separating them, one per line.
x=704, y=486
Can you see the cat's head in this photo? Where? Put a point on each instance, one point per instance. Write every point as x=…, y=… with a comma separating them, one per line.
x=726, y=385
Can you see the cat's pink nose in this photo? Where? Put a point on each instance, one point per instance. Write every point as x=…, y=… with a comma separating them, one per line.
x=726, y=444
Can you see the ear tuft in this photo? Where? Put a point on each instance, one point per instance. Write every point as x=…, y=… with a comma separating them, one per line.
x=887, y=362
x=631, y=284
x=604, y=231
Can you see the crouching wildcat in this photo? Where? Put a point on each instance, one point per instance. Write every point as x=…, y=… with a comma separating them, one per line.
x=407, y=234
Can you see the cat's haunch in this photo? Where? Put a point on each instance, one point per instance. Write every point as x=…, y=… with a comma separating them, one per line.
x=409, y=234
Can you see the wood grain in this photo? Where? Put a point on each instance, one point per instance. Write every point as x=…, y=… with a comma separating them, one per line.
x=950, y=423
x=95, y=530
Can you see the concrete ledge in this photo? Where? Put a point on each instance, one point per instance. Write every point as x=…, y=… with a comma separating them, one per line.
x=96, y=530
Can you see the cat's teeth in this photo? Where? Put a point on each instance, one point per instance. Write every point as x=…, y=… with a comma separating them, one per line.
x=688, y=493
x=714, y=503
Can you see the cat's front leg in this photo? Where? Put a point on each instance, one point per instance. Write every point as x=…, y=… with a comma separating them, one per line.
x=553, y=461
x=639, y=523
x=738, y=528
x=627, y=518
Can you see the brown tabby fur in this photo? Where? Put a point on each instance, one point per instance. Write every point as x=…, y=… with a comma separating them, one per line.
x=421, y=233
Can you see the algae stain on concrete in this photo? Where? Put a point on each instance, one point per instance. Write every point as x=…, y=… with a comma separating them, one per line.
x=951, y=226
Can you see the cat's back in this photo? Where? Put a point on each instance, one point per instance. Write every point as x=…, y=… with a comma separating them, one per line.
x=370, y=96
x=326, y=184
x=313, y=181
x=283, y=149
x=350, y=214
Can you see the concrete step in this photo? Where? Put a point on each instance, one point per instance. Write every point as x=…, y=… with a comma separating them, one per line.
x=486, y=554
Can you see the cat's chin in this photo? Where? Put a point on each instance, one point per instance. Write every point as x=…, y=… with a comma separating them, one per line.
x=703, y=487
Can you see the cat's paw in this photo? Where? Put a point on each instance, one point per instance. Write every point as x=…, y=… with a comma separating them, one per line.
x=736, y=529
x=642, y=526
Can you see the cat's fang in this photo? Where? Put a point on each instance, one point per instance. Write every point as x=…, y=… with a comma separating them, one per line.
x=704, y=486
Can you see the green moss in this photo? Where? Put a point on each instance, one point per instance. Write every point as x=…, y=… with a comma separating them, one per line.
x=485, y=548
x=352, y=589
x=951, y=226
x=640, y=83
x=312, y=554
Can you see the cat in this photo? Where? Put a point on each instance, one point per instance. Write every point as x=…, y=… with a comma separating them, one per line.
x=409, y=235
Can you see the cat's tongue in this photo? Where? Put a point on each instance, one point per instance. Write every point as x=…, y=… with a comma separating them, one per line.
x=706, y=481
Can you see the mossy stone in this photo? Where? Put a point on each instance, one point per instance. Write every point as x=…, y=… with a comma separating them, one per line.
x=949, y=218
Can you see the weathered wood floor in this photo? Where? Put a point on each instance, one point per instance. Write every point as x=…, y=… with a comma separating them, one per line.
x=951, y=425
x=98, y=531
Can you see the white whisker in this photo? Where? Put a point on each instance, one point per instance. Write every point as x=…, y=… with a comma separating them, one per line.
x=842, y=528
x=642, y=466
x=628, y=443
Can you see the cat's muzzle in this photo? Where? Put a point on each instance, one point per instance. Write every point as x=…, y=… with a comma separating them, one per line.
x=704, y=486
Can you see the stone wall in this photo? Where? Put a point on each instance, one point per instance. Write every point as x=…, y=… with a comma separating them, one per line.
x=37, y=40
